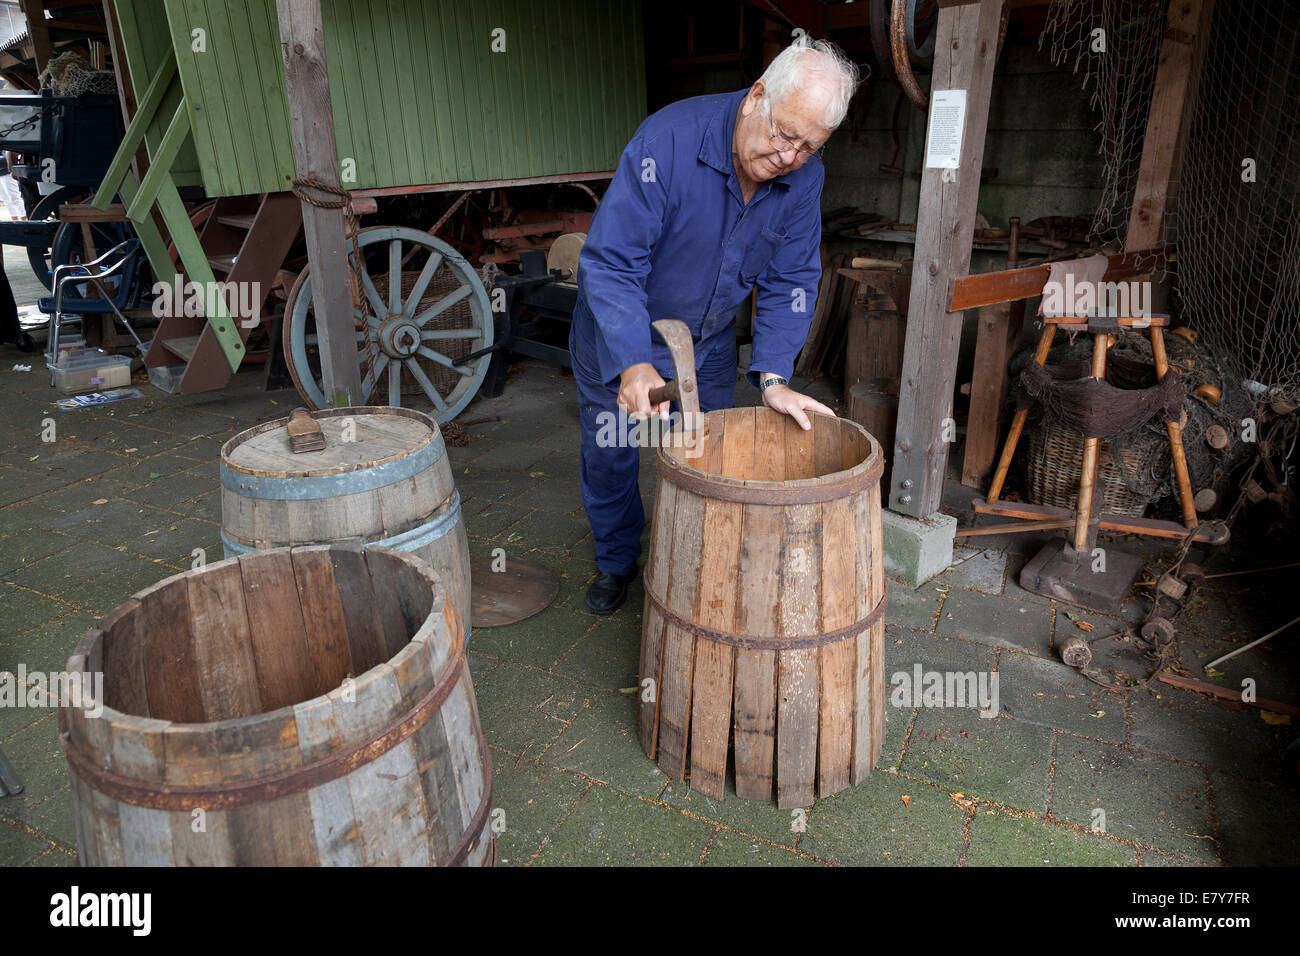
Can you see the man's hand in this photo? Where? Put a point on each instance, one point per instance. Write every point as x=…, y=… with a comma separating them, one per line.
x=784, y=399
x=634, y=390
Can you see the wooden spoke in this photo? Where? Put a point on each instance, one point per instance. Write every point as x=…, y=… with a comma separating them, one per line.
x=395, y=276
x=395, y=383
x=442, y=305
x=368, y=285
x=422, y=283
x=430, y=335
x=315, y=340
x=370, y=320
x=442, y=360
x=419, y=376
x=372, y=375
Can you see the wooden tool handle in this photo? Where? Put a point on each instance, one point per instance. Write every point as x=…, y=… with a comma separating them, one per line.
x=664, y=393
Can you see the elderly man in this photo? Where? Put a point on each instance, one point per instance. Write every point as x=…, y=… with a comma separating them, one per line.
x=713, y=195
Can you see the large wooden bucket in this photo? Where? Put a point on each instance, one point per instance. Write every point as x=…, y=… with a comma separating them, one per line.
x=382, y=480
x=764, y=612
x=306, y=706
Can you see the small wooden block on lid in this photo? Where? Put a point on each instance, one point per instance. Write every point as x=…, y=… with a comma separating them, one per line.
x=304, y=432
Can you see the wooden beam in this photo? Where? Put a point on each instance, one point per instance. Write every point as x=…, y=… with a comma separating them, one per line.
x=125, y=88
x=39, y=30
x=302, y=44
x=1172, y=98
x=990, y=288
x=965, y=49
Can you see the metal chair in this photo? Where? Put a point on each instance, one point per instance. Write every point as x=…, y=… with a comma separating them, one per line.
x=117, y=285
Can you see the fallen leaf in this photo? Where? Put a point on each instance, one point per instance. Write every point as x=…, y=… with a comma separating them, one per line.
x=537, y=474
x=1100, y=713
x=1071, y=615
x=907, y=801
x=133, y=449
x=100, y=501
x=1084, y=625
x=154, y=474
x=1276, y=720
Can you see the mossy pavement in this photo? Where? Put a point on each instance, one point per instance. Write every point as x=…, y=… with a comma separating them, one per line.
x=1069, y=772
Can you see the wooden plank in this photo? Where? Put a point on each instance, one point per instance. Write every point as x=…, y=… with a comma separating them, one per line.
x=388, y=603
x=682, y=596
x=1173, y=96
x=990, y=288
x=800, y=614
x=357, y=597
x=160, y=171
x=333, y=820
x=315, y=155
x=276, y=631
x=120, y=166
x=125, y=650
x=39, y=31
x=965, y=51
x=223, y=648
x=995, y=342
x=1227, y=693
x=322, y=615
x=839, y=609
x=714, y=663
x=652, y=639
x=170, y=671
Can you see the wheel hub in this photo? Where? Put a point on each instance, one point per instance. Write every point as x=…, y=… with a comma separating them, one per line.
x=399, y=337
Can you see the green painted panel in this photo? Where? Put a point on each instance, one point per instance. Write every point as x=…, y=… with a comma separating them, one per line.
x=419, y=94
x=145, y=41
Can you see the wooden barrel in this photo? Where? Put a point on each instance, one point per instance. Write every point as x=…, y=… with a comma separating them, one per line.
x=382, y=480
x=305, y=706
x=764, y=612
x=873, y=404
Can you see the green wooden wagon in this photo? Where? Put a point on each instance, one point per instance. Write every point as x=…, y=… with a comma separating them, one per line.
x=427, y=95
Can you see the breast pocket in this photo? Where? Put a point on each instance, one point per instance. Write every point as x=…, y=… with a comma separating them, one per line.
x=765, y=245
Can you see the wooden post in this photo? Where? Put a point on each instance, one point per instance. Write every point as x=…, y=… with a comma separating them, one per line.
x=37, y=27
x=966, y=44
x=1172, y=99
x=302, y=44
x=1000, y=327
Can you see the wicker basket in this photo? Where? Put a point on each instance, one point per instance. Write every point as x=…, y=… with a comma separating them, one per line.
x=1056, y=459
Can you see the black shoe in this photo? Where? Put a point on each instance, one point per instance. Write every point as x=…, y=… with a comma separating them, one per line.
x=608, y=592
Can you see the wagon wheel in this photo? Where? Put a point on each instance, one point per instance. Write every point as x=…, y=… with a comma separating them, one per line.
x=67, y=245
x=420, y=321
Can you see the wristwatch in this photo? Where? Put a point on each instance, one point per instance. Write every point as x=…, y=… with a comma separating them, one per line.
x=768, y=382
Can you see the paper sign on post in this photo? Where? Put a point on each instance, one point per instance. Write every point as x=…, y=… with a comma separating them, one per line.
x=947, y=120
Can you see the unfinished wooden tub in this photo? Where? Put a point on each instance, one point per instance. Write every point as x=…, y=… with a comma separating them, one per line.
x=306, y=706
x=764, y=612
x=382, y=480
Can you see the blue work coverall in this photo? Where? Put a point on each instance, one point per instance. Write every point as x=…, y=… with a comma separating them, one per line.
x=674, y=239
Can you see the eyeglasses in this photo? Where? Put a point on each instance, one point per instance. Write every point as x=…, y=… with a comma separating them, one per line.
x=783, y=145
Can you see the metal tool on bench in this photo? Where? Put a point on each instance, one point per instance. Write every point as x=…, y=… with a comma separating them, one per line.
x=683, y=389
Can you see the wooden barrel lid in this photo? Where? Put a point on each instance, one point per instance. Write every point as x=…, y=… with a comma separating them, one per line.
x=376, y=435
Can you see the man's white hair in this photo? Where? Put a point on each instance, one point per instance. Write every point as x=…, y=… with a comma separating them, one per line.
x=806, y=59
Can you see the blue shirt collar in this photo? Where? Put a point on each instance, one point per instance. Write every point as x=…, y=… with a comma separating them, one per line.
x=715, y=150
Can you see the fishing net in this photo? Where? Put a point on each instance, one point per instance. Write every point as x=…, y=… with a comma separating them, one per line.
x=1136, y=449
x=70, y=74
x=1236, y=216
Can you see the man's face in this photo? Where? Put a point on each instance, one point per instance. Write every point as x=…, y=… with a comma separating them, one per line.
x=796, y=120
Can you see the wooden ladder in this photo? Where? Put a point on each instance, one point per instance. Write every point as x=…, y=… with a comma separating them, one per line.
x=245, y=241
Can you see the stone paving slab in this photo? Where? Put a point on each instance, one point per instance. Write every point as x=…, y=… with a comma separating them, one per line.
x=1048, y=692
x=533, y=801
x=609, y=828
x=736, y=849
x=999, y=759
x=871, y=825
x=1148, y=799
x=998, y=838
x=996, y=621
x=603, y=744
